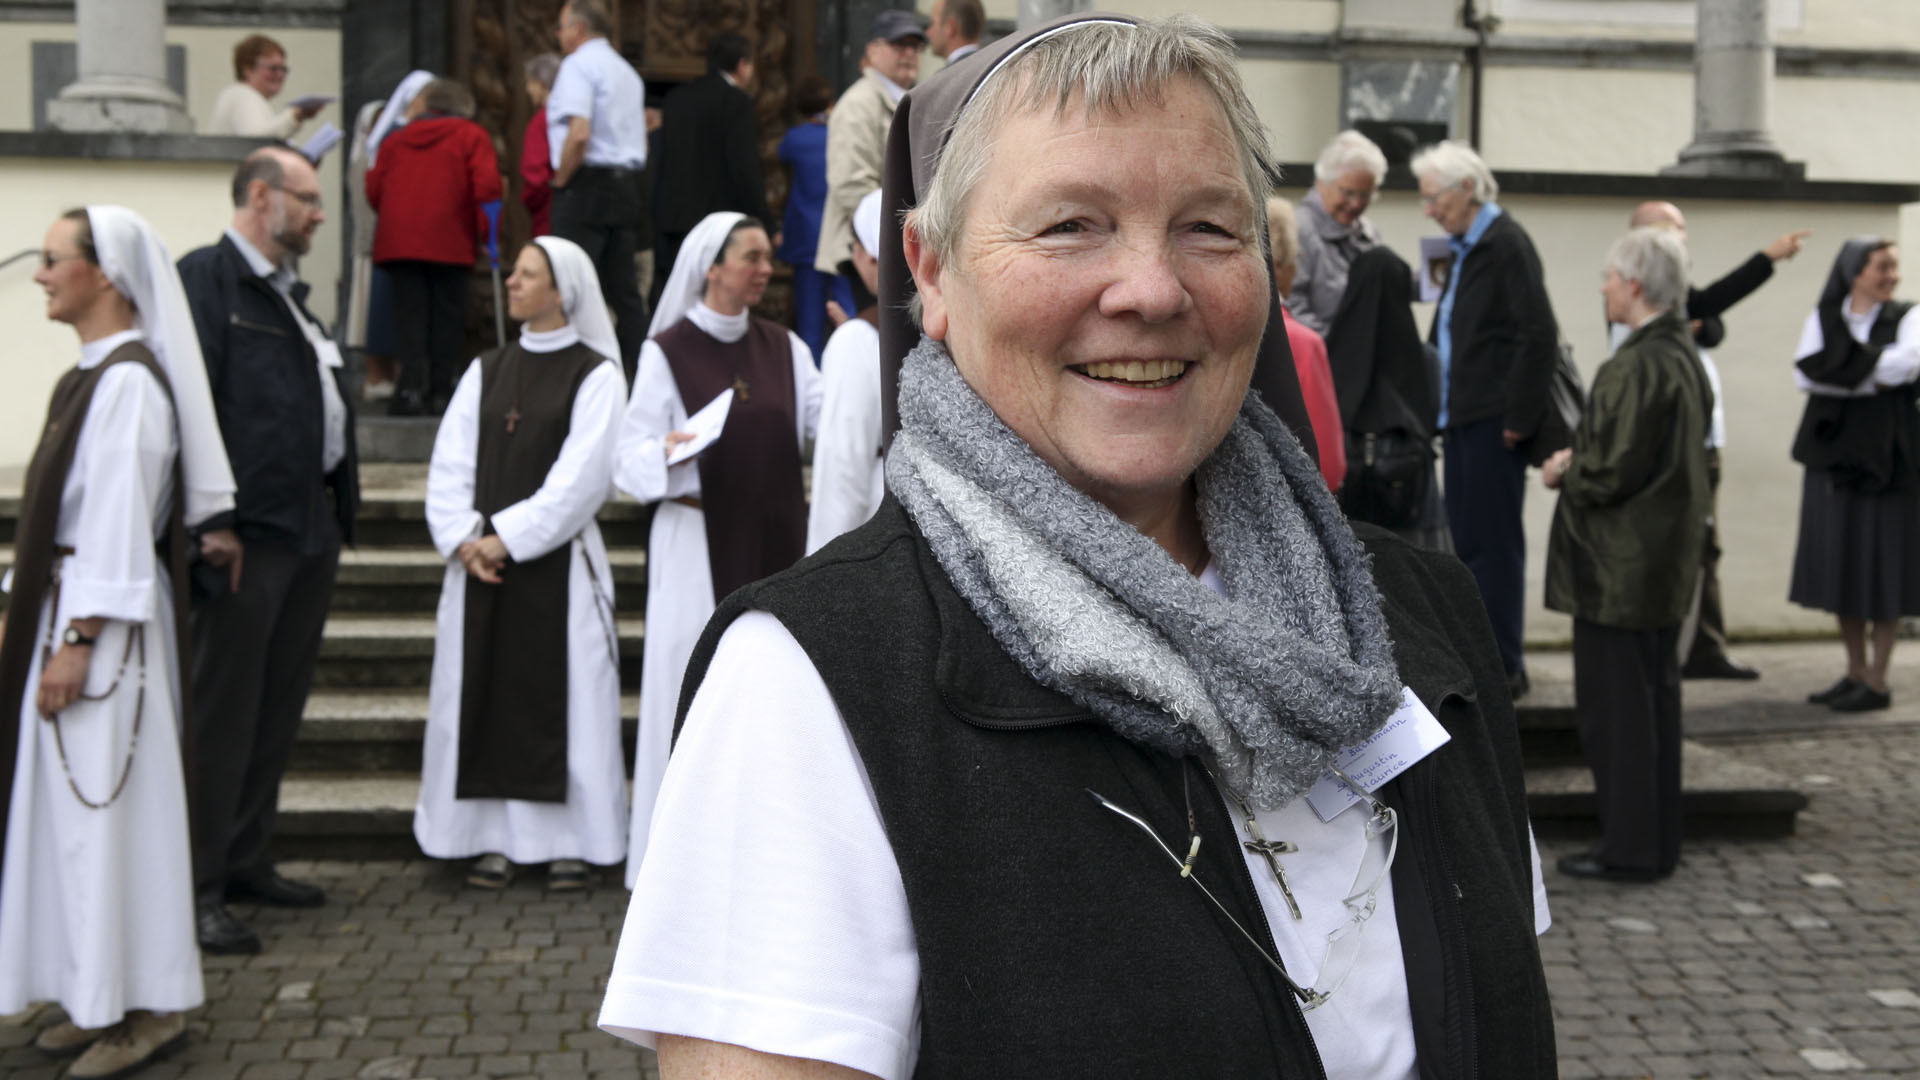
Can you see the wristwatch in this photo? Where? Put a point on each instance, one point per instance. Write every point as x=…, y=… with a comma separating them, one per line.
x=73, y=636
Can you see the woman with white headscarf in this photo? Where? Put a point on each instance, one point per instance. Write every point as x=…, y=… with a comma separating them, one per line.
x=734, y=512
x=522, y=754
x=96, y=893
x=370, y=314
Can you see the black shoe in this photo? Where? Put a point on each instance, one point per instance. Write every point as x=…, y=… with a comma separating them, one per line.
x=407, y=403
x=223, y=935
x=1831, y=693
x=271, y=888
x=1518, y=684
x=1861, y=698
x=1586, y=866
x=1719, y=667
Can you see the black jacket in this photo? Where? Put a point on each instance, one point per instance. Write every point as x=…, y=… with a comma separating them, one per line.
x=1505, y=339
x=266, y=392
x=1708, y=304
x=1054, y=941
x=709, y=156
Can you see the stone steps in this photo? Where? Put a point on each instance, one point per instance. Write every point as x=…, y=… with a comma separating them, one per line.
x=380, y=731
x=393, y=652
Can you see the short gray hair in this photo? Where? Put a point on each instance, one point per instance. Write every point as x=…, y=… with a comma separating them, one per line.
x=1451, y=163
x=543, y=69
x=1283, y=231
x=1654, y=257
x=1347, y=152
x=591, y=15
x=1114, y=66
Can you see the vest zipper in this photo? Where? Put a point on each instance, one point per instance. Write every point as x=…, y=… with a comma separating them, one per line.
x=1266, y=930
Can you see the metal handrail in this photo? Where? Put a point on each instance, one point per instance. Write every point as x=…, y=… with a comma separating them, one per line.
x=24, y=253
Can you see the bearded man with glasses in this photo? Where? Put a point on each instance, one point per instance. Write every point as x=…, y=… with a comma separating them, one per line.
x=284, y=413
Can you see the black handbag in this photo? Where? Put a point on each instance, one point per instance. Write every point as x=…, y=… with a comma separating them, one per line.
x=1388, y=473
x=1566, y=401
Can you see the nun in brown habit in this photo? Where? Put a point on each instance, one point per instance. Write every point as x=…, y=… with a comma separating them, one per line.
x=521, y=762
x=1013, y=780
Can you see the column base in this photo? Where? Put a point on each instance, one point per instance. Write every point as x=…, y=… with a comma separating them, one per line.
x=1745, y=164
x=118, y=114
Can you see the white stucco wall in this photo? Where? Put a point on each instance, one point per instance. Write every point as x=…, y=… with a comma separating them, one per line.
x=313, y=56
x=184, y=202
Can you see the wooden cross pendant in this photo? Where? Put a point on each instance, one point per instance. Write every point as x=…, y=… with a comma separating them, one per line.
x=513, y=419
x=740, y=389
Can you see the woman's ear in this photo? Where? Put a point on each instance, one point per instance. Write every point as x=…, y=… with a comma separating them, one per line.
x=925, y=267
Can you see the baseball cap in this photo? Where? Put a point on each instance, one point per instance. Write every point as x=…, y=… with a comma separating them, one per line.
x=894, y=24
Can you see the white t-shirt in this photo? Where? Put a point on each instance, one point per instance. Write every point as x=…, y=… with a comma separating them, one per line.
x=770, y=912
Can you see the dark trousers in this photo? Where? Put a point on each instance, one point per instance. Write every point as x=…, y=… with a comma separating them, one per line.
x=1626, y=702
x=430, y=301
x=600, y=210
x=1486, y=484
x=1709, y=645
x=253, y=658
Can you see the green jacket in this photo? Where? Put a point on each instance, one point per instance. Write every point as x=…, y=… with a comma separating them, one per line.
x=1631, y=524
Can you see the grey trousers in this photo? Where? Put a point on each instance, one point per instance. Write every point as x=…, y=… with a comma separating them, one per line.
x=254, y=653
x=1626, y=703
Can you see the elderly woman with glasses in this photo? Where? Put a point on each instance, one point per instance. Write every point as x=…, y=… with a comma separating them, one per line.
x=1625, y=556
x=1034, y=774
x=1334, y=228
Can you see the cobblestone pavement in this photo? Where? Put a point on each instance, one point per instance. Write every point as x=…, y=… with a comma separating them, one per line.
x=1789, y=957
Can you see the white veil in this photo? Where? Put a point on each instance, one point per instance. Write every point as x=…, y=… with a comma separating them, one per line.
x=579, y=286
x=402, y=97
x=688, y=282
x=137, y=264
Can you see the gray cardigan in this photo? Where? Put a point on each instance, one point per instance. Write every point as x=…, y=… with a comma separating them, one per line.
x=1327, y=249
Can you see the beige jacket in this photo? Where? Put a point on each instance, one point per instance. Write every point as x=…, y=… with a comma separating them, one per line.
x=856, y=155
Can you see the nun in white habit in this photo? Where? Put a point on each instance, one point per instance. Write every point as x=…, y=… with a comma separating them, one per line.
x=522, y=760
x=703, y=341
x=96, y=893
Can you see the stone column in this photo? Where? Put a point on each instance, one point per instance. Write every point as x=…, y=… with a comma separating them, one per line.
x=1035, y=12
x=123, y=71
x=1732, y=94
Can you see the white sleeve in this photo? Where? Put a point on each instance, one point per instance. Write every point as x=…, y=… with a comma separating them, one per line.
x=769, y=911
x=572, y=93
x=806, y=389
x=1900, y=362
x=124, y=458
x=655, y=409
x=846, y=448
x=1812, y=340
x=451, y=518
x=577, y=483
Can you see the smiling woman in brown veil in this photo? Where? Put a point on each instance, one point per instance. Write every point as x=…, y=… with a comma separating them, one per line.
x=1034, y=774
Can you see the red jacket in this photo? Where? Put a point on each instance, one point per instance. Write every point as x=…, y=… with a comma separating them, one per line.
x=536, y=174
x=1323, y=407
x=427, y=186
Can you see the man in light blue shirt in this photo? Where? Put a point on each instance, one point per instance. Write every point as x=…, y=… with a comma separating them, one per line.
x=597, y=128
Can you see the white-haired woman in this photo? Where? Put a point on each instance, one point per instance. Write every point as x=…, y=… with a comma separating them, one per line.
x=1625, y=553
x=1498, y=344
x=96, y=888
x=906, y=828
x=521, y=762
x=1334, y=228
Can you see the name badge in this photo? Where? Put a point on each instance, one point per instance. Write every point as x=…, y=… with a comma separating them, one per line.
x=328, y=351
x=1410, y=734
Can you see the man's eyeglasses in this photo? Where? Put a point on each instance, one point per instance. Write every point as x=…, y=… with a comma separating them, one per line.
x=312, y=199
x=1343, y=943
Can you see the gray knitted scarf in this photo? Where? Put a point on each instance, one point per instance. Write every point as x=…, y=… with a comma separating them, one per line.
x=1270, y=681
